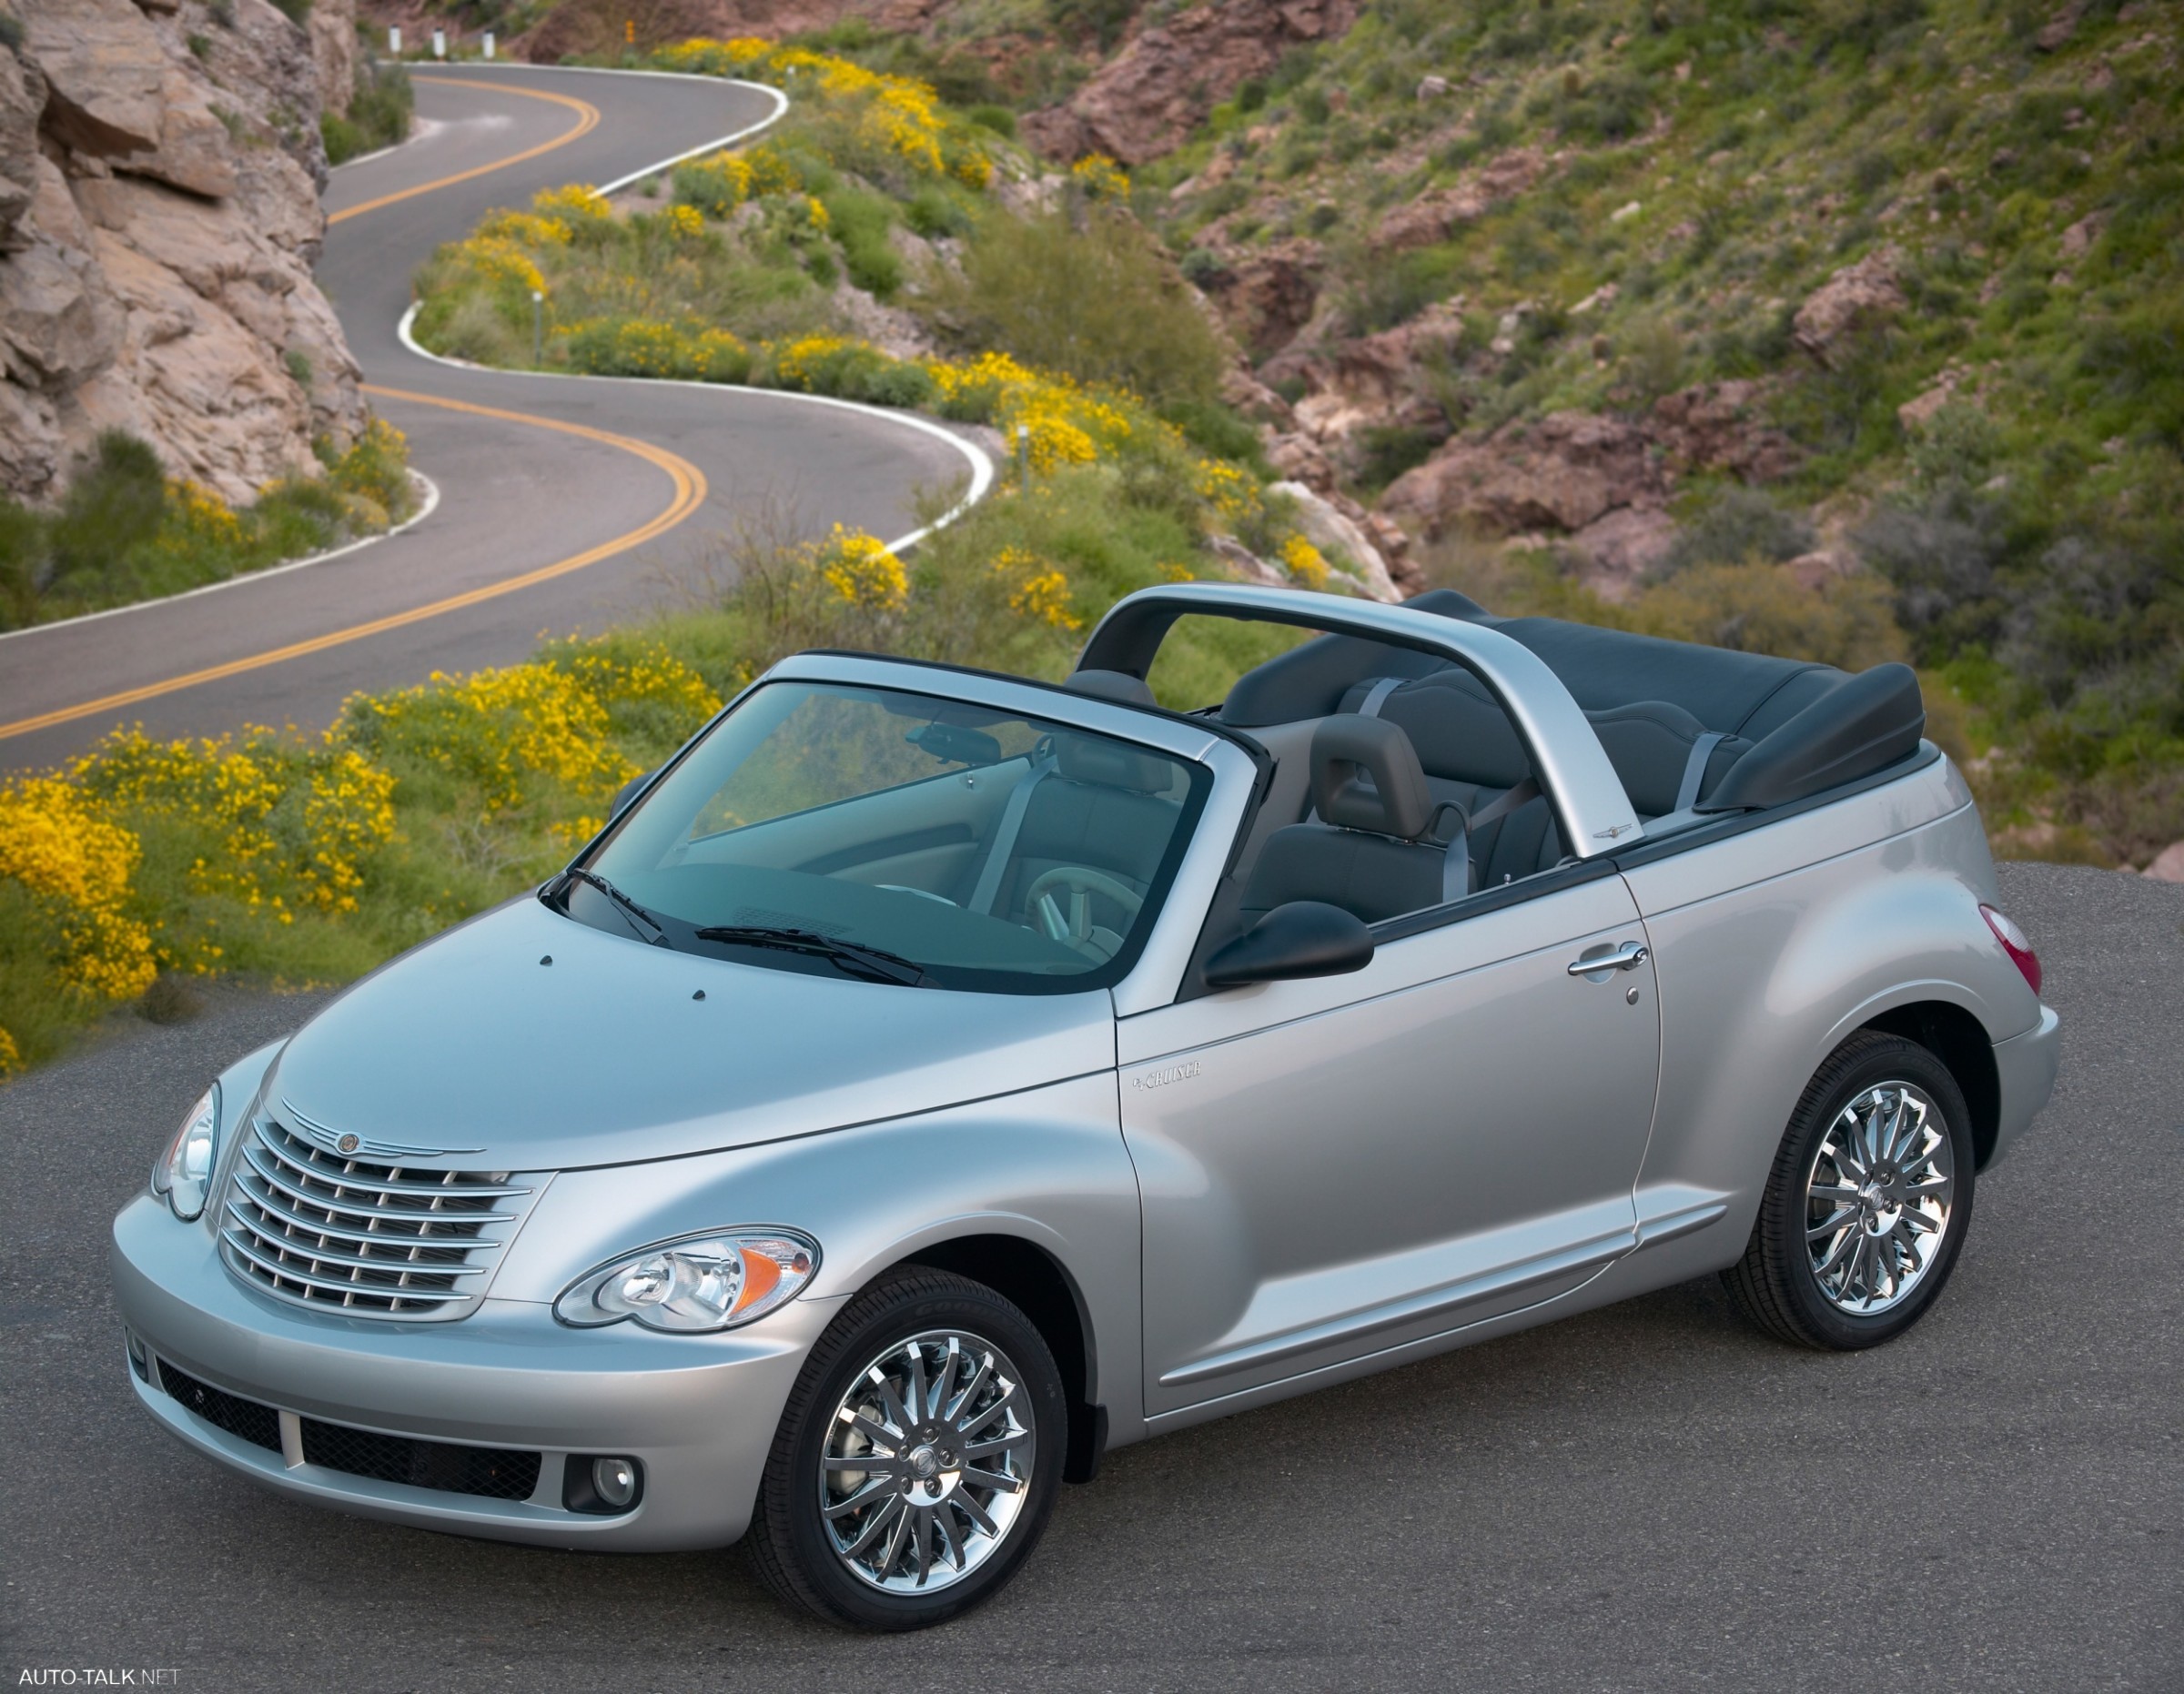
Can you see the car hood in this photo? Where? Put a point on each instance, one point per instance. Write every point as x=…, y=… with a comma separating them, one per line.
x=472, y=1053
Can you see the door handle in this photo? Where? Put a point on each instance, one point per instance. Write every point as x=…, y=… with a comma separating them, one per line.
x=1627, y=957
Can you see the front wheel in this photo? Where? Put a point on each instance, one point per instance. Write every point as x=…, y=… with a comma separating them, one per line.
x=1868, y=1203
x=917, y=1459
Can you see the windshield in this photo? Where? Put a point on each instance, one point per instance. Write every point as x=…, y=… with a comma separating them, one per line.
x=899, y=838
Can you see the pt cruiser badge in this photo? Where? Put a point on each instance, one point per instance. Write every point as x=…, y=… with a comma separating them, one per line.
x=804, y=1208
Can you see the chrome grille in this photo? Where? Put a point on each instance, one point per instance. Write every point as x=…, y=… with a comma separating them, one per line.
x=377, y=1240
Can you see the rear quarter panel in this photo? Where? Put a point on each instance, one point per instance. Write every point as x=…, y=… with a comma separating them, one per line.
x=1774, y=946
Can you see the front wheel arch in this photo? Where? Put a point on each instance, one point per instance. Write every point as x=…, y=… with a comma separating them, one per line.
x=1030, y=1278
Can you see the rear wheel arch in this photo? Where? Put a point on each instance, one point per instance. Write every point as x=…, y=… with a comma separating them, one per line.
x=1959, y=1041
x=1034, y=1281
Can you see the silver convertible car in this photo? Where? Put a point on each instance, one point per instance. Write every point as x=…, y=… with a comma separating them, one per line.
x=930, y=1079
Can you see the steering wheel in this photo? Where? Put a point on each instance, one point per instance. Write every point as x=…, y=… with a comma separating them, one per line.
x=1077, y=931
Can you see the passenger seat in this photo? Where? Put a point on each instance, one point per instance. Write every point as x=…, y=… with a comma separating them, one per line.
x=1372, y=853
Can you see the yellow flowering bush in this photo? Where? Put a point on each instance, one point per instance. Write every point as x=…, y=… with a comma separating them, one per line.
x=713, y=186
x=1037, y=589
x=198, y=517
x=876, y=121
x=1304, y=562
x=76, y=865
x=863, y=572
x=497, y=261
x=496, y=728
x=636, y=347
x=573, y=206
x=11, y=1055
x=1101, y=177
x=526, y=228
x=286, y=820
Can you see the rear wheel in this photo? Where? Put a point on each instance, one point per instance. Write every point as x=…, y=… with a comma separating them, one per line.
x=1868, y=1203
x=919, y=1458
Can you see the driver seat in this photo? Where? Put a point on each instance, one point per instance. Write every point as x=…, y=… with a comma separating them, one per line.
x=1373, y=853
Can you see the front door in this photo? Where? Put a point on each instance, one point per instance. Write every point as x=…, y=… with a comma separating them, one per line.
x=1336, y=1167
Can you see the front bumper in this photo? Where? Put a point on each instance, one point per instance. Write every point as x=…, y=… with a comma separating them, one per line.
x=697, y=1412
x=2024, y=1072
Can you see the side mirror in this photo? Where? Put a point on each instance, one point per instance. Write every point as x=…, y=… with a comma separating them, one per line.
x=627, y=793
x=1303, y=938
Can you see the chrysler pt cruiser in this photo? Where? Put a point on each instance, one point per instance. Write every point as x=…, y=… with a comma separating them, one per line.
x=930, y=1079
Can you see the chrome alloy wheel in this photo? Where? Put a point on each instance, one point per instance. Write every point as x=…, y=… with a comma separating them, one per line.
x=1877, y=1198
x=928, y=1462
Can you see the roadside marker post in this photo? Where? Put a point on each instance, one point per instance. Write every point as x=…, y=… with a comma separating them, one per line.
x=440, y=44
x=538, y=327
x=1023, y=454
x=489, y=44
x=394, y=40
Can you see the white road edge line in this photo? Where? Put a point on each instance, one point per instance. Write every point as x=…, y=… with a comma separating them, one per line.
x=431, y=501
x=780, y=105
x=982, y=466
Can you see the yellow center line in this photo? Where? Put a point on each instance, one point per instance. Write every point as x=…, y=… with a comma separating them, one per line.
x=587, y=121
x=689, y=493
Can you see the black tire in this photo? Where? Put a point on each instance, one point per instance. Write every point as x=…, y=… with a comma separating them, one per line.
x=1776, y=1284
x=789, y=1541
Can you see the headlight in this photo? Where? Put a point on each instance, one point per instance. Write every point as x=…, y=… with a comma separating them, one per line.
x=696, y=1284
x=183, y=1172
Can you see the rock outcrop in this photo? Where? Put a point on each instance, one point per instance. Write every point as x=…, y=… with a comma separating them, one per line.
x=1857, y=297
x=1594, y=485
x=159, y=174
x=1158, y=88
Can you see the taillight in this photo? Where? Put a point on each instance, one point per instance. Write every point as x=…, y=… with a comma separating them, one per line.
x=2016, y=944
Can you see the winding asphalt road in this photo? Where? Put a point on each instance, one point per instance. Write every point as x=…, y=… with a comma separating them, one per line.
x=565, y=504
x=1652, y=1497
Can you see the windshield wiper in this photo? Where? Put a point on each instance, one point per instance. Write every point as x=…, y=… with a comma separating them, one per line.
x=869, y=963
x=629, y=907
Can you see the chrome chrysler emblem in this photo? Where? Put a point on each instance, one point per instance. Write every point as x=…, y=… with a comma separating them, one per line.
x=348, y=1141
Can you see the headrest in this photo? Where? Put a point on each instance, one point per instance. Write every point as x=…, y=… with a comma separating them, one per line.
x=1366, y=776
x=1082, y=758
x=1115, y=685
x=1650, y=743
x=1458, y=729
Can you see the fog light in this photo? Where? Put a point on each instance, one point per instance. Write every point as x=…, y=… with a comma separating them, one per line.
x=138, y=1361
x=615, y=1480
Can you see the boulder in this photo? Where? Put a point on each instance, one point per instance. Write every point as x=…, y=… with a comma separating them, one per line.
x=1147, y=99
x=1421, y=222
x=106, y=74
x=1265, y=296
x=154, y=274
x=1341, y=539
x=2169, y=864
x=1855, y=297
x=1561, y=473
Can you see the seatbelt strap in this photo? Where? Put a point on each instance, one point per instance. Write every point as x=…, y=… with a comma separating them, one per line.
x=1377, y=696
x=1695, y=769
x=1456, y=862
x=1005, y=833
x=1494, y=811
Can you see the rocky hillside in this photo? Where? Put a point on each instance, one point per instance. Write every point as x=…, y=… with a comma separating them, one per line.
x=160, y=166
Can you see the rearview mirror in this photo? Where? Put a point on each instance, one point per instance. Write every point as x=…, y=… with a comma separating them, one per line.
x=1303, y=938
x=628, y=791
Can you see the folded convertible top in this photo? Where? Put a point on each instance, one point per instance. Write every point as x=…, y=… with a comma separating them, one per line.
x=1801, y=727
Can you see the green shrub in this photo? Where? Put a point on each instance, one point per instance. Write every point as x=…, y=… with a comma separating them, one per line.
x=998, y=118
x=1098, y=303
x=860, y=221
x=380, y=111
